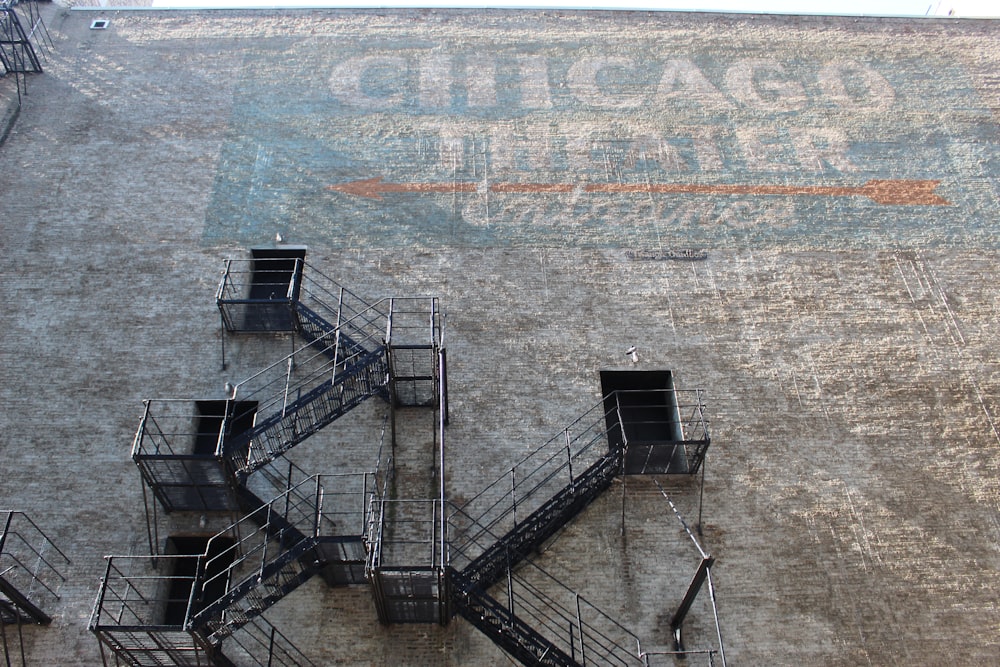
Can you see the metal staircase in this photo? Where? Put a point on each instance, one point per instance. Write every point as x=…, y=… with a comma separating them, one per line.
x=424, y=558
x=192, y=453
x=295, y=400
x=31, y=574
x=541, y=622
x=132, y=618
x=206, y=607
x=522, y=509
x=183, y=614
x=503, y=627
x=355, y=350
x=495, y=533
x=530, y=533
x=273, y=550
x=21, y=30
x=216, y=455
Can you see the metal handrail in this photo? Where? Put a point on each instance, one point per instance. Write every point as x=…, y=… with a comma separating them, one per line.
x=297, y=509
x=19, y=555
x=554, y=459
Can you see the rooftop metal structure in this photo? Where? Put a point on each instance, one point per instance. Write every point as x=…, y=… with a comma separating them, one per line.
x=21, y=30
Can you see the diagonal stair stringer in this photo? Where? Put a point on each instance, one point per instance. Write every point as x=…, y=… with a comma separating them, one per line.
x=502, y=626
x=529, y=534
x=316, y=408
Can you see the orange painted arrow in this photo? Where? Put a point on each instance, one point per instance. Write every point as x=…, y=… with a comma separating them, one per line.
x=374, y=188
x=896, y=192
x=901, y=192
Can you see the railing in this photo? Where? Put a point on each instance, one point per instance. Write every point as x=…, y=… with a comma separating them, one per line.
x=400, y=322
x=271, y=550
x=290, y=284
x=537, y=614
x=260, y=644
x=169, y=427
x=540, y=620
x=415, y=321
x=178, y=451
x=343, y=308
x=704, y=657
x=379, y=492
x=297, y=401
x=263, y=416
x=662, y=414
x=662, y=430
x=134, y=604
x=277, y=386
x=258, y=294
x=416, y=336
x=568, y=620
x=241, y=280
x=139, y=613
x=275, y=479
x=321, y=506
x=503, y=627
x=30, y=565
x=407, y=534
x=17, y=52
x=529, y=484
x=493, y=533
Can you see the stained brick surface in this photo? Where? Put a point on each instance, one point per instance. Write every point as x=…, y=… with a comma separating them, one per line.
x=847, y=346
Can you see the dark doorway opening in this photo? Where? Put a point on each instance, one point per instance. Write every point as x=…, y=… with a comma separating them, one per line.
x=642, y=418
x=273, y=272
x=210, y=416
x=218, y=556
x=275, y=283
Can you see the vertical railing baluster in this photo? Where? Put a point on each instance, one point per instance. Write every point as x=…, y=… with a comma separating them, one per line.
x=569, y=456
x=513, y=496
x=319, y=507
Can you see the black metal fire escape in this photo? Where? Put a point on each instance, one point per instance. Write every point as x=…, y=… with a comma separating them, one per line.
x=316, y=527
x=21, y=30
x=641, y=432
x=31, y=574
x=223, y=455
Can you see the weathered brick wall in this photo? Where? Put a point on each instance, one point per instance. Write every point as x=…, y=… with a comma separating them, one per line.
x=846, y=345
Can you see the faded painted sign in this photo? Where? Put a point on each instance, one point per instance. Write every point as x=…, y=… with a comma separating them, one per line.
x=597, y=141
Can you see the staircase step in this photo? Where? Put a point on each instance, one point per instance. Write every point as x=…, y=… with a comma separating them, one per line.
x=530, y=533
x=503, y=627
x=284, y=574
x=276, y=434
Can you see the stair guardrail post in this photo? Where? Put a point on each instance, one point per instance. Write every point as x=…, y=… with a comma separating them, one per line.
x=318, y=507
x=288, y=383
x=718, y=626
x=513, y=495
x=340, y=308
x=219, y=294
x=569, y=456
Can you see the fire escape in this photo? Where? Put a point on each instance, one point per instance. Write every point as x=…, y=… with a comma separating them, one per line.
x=31, y=575
x=425, y=559
x=225, y=455
x=21, y=29
x=651, y=430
